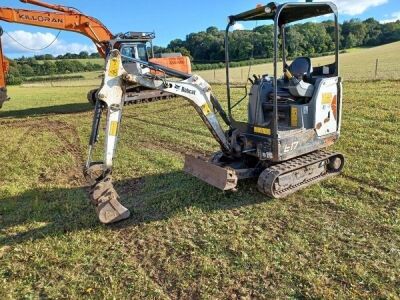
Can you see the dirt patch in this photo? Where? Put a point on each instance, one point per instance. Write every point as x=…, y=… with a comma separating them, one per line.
x=67, y=135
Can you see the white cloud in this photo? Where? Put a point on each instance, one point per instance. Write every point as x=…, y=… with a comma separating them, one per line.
x=40, y=40
x=238, y=26
x=356, y=7
x=393, y=18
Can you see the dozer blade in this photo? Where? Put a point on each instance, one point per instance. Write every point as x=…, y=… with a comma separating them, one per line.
x=222, y=178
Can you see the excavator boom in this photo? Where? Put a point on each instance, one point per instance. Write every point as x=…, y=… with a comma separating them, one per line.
x=63, y=18
x=69, y=21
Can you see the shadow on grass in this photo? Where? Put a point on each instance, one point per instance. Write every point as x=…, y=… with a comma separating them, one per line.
x=71, y=108
x=44, y=212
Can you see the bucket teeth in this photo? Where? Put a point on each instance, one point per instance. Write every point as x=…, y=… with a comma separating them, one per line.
x=104, y=197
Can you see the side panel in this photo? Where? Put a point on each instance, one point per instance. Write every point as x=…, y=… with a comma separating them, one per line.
x=304, y=142
x=340, y=105
x=181, y=64
x=326, y=104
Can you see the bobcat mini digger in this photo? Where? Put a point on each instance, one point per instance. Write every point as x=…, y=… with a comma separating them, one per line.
x=291, y=119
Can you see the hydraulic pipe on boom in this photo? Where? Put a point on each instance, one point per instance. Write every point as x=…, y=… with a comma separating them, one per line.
x=51, y=6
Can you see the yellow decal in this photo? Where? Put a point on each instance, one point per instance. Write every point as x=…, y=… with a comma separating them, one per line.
x=206, y=109
x=326, y=98
x=113, y=128
x=288, y=74
x=261, y=130
x=114, y=67
x=294, y=117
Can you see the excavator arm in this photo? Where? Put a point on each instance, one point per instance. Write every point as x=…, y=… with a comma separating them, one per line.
x=192, y=87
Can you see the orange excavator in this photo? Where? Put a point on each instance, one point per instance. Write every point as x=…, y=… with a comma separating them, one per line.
x=132, y=44
x=3, y=72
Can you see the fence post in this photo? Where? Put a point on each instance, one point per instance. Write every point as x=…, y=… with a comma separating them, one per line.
x=376, y=68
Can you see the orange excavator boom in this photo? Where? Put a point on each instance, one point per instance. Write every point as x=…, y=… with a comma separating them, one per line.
x=64, y=18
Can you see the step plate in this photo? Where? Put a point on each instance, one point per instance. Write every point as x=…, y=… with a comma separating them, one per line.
x=222, y=178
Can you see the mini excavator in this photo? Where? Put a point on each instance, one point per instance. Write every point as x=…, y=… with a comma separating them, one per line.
x=291, y=119
x=131, y=44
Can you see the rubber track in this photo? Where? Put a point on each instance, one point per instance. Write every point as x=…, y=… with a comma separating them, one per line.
x=269, y=176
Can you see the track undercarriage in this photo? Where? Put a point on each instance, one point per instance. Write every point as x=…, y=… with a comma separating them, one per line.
x=136, y=96
x=276, y=180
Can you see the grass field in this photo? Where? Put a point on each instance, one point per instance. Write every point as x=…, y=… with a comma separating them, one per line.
x=357, y=64
x=186, y=240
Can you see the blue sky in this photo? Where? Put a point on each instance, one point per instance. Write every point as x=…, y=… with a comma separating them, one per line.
x=169, y=19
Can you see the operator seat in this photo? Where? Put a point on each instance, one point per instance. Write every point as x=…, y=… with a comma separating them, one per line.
x=289, y=92
x=301, y=68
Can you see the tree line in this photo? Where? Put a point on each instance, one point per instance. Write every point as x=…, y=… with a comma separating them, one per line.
x=81, y=55
x=206, y=48
x=21, y=69
x=308, y=39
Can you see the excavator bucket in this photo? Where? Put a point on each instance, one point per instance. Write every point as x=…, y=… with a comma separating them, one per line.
x=222, y=178
x=104, y=197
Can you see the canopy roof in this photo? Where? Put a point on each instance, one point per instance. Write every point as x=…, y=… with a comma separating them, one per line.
x=289, y=12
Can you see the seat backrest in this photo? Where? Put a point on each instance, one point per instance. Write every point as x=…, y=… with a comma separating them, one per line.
x=301, y=68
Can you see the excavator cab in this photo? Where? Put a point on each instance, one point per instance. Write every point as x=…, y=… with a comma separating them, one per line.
x=134, y=45
x=298, y=107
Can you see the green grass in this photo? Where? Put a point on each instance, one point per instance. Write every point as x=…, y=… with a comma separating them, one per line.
x=89, y=79
x=187, y=240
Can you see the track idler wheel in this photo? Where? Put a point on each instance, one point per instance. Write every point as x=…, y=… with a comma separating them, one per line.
x=104, y=197
x=266, y=182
